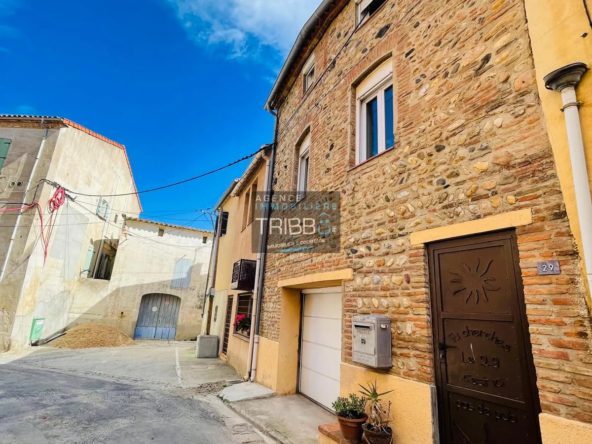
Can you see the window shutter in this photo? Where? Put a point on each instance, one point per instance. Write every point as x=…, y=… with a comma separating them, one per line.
x=88, y=261
x=100, y=207
x=4, y=147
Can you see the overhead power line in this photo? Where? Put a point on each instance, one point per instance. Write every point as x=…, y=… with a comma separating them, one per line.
x=242, y=159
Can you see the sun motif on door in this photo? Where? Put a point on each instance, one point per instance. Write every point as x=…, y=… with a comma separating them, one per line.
x=473, y=283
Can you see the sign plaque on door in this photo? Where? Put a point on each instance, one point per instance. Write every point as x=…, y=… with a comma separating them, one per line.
x=548, y=268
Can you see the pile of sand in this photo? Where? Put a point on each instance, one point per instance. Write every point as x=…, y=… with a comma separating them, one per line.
x=92, y=335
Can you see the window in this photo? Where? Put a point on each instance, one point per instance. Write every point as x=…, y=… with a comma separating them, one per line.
x=4, y=147
x=160, y=232
x=246, y=201
x=303, y=168
x=250, y=202
x=106, y=262
x=308, y=73
x=253, y=203
x=103, y=209
x=244, y=311
x=224, y=227
x=375, y=113
x=366, y=8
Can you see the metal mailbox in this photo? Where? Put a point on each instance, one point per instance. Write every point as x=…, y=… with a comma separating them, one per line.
x=372, y=342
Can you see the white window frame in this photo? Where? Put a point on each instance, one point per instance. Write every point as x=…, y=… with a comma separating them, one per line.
x=372, y=87
x=309, y=66
x=303, y=173
x=360, y=6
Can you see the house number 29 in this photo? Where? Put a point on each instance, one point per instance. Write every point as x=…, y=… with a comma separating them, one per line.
x=548, y=268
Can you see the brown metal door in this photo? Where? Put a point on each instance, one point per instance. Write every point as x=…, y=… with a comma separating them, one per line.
x=484, y=368
x=227, y=323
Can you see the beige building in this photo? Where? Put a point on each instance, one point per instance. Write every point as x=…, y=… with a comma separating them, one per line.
x=85, y=257
x=235, y=267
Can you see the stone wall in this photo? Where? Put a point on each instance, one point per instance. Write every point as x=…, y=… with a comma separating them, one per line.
x=471, y=143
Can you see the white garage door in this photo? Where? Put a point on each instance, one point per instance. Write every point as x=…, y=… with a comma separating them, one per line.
x=320, y=348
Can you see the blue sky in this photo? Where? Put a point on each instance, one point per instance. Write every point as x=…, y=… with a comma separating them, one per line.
x=181, y=83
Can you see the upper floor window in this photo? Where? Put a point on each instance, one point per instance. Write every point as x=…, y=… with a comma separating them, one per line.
x=4, y=147
x=308, y=73
x=103, y=209
x=249, y=206
x=365, y=9
x=303, y=168
x=375, y=113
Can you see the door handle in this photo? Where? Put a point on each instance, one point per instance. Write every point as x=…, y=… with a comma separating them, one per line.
x=442, y=350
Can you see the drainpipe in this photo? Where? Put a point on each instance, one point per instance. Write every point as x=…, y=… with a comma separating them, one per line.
x=565, y=80
x=258, y=269
x=214, y=268
x=20, y=214
x=263, y=248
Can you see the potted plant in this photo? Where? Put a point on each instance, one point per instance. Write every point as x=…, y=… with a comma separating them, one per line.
x=377, y=430
x=351, y=414
x=243, y=324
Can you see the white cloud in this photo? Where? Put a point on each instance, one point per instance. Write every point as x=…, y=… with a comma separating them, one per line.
x=244, y=28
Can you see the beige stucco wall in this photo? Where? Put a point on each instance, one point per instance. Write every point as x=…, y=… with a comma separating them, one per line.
x=237, y=244
x=556, y=430
x=267, y=363
x=560, y=34
x=223, y=272
x=24, y=149
x=145, y=265
x=87, y=164
x=411, y=408
x=57, y=288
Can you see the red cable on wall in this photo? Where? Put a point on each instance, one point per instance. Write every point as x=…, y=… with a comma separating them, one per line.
x=54, y=204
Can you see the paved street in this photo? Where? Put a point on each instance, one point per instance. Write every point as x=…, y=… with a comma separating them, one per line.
x=155, y=392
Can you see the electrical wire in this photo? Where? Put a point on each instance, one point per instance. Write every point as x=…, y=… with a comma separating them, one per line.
x=242, y=159
x=137, y=235
x=587, y=9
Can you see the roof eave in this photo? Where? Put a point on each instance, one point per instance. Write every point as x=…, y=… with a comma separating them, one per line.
x=301, y=41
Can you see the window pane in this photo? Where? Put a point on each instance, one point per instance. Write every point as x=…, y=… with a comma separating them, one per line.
x=305, y=174
x=372, y=128
x=389, y=118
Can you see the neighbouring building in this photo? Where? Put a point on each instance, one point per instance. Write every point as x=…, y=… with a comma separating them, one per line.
x=82, y=255
x=235, y=266
x=459, y=216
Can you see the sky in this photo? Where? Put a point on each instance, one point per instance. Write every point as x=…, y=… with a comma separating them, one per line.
x=181, y=83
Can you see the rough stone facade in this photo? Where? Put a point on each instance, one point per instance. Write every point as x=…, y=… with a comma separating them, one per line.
x=471, y=143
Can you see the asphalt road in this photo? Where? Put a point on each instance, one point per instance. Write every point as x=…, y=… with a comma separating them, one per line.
x=43, y=402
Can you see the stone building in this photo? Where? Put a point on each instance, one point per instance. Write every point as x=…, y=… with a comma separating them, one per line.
x=91, y=259
x=432, y=120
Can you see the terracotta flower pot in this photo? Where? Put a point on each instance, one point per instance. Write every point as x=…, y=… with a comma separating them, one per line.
x=378, y=436
x=351, y=429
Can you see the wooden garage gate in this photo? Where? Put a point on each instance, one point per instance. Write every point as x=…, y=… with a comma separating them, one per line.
x=158, y=317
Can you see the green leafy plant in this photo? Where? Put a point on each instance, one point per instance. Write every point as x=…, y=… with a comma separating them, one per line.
x=378, y=416
x=353, y=407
